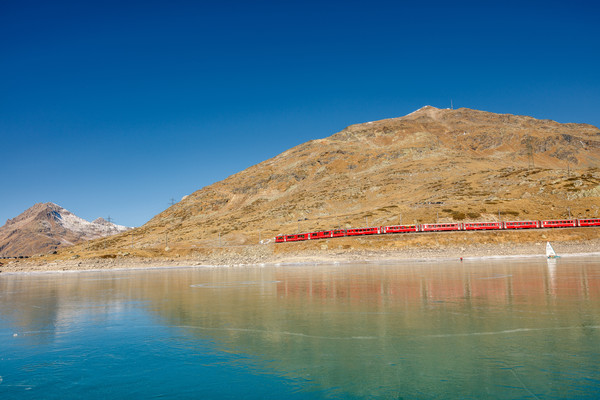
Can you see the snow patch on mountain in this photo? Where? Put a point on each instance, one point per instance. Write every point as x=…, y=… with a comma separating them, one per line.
x=90, y=230
x=45, y=227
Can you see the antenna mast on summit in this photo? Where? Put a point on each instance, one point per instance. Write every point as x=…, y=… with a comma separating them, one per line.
x=451, y=105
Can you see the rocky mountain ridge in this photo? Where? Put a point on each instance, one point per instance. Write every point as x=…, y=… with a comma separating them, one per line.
x=46, y=227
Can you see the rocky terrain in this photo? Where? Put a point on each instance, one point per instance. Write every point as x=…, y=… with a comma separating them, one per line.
x=433, y=165
x=449, y=246
x=46, y=227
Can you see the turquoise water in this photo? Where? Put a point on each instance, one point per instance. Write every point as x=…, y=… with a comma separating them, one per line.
x=513, y=329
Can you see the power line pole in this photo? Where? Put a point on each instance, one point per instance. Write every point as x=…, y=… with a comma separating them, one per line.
x=530, y=153
x=172, y=202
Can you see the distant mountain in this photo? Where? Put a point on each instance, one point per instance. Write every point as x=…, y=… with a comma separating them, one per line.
x=431, y=165
x=46, y=227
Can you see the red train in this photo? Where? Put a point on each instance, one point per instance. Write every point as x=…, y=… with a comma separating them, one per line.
x=458, y=226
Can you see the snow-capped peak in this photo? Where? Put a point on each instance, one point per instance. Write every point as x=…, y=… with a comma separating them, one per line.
x=90, y=230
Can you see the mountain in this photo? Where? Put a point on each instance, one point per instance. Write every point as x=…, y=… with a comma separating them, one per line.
x=46, y=227
x=430, y=165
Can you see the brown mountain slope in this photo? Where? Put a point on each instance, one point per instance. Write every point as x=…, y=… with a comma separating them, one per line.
x=430, y=165
x=46, y=227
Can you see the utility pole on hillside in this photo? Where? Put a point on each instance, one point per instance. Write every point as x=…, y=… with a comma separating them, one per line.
x=109, y=219
x=530, y=153
x=172, y=202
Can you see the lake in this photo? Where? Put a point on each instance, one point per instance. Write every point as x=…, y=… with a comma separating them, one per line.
x=504, y=329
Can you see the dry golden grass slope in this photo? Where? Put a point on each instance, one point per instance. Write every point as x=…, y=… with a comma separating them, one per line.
x=431, y=165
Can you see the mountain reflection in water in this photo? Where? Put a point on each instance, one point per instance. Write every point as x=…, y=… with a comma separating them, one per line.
x=505, y=329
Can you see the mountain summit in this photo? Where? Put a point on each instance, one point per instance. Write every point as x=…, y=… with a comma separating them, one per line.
x=430, y=165
x=46, y=226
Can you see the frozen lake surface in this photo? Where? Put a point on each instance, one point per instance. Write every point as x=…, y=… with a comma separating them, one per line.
x=505, y=329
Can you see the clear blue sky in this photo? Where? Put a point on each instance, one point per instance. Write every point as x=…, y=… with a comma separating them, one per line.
x=114, y=108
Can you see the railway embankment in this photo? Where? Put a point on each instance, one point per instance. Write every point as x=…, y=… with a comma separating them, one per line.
x=381, y=248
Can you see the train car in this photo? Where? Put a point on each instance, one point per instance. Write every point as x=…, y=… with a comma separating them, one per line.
x=477, y=226
x=588, y=222
x=327, y=234
x=363, y=231
x=521, y=224
x=320, y=235
x=440, y=227
x=559, y=223
x=316, y=235
x=280, y=239
x=296, y=238
x=399, y=229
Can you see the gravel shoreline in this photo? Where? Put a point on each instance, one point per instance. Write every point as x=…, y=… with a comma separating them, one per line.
x=265, y=255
